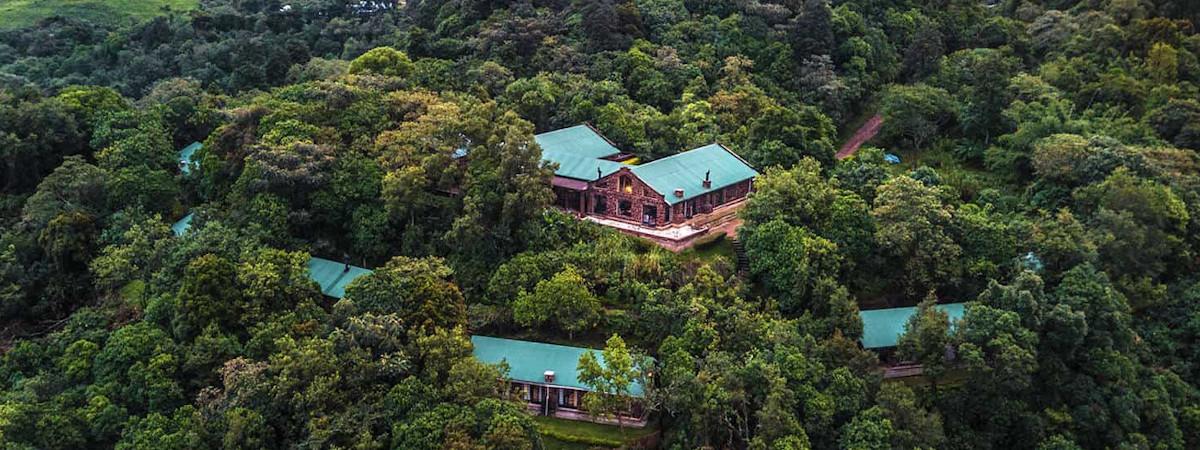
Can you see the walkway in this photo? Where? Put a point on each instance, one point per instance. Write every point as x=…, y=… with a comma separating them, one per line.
x=676, y=233
x=864, y=134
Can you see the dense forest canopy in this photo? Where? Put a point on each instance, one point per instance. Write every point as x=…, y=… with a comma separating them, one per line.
x=1049, y=177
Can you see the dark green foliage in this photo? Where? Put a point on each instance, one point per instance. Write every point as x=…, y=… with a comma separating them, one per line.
x=1048, y=177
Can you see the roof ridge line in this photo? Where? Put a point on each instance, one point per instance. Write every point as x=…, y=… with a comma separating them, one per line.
x=694, y=149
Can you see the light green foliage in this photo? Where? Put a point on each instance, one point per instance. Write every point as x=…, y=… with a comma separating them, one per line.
x=421, y=292
x=870, y=430
x=926, y=339
x=610, y=380
x=790, y=260
x=563, y=301
x=385, y=61
x=915, y=114
x=912, y=228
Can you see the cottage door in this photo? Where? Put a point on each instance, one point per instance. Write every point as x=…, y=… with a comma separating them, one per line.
x=552, y=401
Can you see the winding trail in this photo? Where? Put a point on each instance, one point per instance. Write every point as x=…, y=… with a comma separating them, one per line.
x=867, y=131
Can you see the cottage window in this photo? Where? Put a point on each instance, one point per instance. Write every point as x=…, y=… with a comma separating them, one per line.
x=625, y=208
x=571, y=399
x=718, y=197
x=626, y=185
x=601, y=205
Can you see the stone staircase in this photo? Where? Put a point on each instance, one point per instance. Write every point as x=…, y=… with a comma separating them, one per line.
x=739, y=250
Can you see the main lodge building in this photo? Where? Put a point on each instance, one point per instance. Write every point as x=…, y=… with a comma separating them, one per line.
x=674, y=201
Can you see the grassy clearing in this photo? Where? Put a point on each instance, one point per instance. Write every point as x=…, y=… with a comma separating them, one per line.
x=570, y=434
x=709, y=251
x=23, y=13
x=967, y=179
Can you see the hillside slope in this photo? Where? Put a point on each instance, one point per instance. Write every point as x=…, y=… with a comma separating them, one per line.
x=20, y=13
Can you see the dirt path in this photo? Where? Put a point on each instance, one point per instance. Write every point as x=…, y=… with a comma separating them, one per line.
x=864, y=134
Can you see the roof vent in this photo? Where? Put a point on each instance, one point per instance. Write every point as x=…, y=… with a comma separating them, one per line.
x=549, y=376
x=679, y=192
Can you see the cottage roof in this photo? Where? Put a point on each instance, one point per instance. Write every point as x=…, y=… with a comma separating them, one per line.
x=687, y=171
x=185, y=156
x=333, y=276
x=528, y=361
x=182, y=226
x=882, y=327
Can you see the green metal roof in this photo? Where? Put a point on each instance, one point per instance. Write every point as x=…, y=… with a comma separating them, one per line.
x=579, y=140
x=528, y=361
x=577, y=151
x=182, y=225
x=185, y=156
x=882, y=327
x=687, y=170
x=580, y=167
x=333, y=276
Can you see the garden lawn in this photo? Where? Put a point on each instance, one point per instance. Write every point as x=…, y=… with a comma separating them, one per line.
x=572, y=434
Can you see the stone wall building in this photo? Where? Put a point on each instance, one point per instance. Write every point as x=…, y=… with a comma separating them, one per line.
x=675, y=201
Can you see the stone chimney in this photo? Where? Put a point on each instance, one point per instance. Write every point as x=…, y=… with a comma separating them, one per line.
x=707, y=182
x=679, y=192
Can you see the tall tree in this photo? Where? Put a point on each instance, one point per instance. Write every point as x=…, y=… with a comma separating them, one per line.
x=611, y=379
x=926, y=340
x=912, y=226
x=563, y=300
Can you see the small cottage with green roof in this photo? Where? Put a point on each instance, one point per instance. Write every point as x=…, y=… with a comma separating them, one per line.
x=882, y=328
x=546, y=377
x=592, y=179
x=333, y=276
x=185, y=157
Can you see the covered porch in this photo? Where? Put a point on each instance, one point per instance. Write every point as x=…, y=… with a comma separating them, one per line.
x=679, y=236
x=567, y=403
x=570, y=194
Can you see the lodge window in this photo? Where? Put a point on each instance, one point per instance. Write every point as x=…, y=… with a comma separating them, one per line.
x=625, y=208
x=719, y=197
x=601, y=205
x=626, y=185
x=649, y=214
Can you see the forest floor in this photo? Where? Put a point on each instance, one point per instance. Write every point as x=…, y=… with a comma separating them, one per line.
x=22, y=13
x=867, y=131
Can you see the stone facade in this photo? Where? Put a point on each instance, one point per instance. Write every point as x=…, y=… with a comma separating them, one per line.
x=623, y=196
